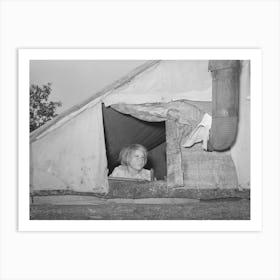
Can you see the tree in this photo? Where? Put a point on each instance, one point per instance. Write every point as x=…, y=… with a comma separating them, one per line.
x=41, y=110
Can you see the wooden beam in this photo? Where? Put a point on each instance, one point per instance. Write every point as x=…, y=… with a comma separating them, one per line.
x=173, y=155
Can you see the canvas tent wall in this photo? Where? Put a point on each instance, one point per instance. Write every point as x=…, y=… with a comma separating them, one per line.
x=240, y=151
x=70, y=151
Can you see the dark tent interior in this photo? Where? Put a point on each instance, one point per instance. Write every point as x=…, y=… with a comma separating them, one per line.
x=122, y=130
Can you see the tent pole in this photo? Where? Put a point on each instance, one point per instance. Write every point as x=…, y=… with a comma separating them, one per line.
x=173, y=155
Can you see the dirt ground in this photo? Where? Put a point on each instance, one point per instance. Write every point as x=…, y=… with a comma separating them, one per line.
x=136, y=209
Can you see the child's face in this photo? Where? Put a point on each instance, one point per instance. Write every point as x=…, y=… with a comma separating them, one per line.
x=137, y=160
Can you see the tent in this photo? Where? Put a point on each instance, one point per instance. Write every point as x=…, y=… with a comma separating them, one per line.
x=158, y=105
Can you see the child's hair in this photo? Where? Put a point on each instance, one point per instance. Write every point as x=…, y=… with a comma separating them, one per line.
x=126, y=152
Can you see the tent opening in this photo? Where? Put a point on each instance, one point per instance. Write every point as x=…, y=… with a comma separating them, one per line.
x=122, y=130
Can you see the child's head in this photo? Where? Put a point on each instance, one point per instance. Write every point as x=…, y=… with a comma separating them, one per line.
x=134, y=156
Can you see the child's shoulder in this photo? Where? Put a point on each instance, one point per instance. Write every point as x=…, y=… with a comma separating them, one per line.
x=147, y=171
x=146, y=174
x=120, y=168
x=118, y=171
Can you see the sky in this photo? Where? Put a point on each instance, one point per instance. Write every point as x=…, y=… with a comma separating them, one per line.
x=73, y=81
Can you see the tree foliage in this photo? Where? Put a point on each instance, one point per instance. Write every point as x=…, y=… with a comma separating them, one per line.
x=41, y=110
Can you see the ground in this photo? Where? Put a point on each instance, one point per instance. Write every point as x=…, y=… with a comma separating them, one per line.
x=94, y=208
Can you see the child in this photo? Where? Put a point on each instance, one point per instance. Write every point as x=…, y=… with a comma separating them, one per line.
x=133, y=158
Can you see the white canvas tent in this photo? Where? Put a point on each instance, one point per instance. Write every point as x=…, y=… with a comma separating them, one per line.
x=70, y=151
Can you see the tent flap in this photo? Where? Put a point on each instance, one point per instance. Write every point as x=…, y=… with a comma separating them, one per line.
x=183, y=111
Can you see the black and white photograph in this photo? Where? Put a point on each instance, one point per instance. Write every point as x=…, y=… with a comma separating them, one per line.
x=140, y=139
